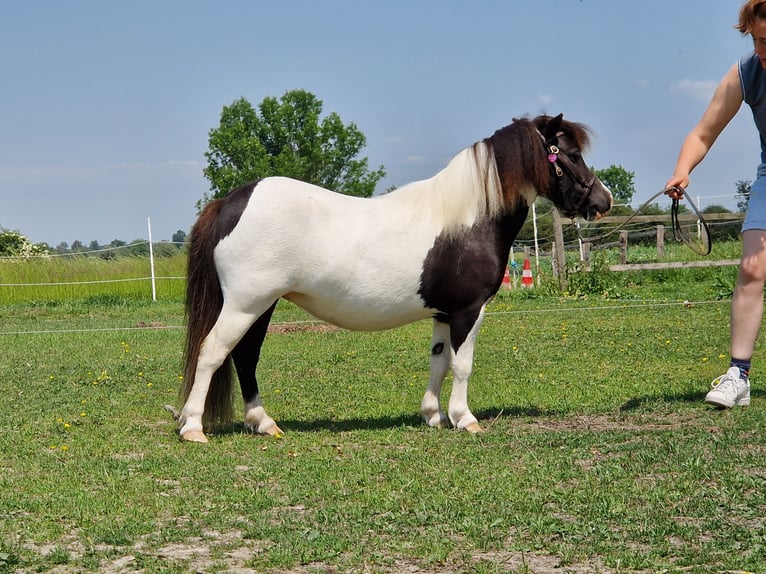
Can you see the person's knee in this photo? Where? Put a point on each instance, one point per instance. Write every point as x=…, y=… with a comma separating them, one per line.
x=752, y=270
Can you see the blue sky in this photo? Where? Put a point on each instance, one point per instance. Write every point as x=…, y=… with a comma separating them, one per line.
x=105, y=106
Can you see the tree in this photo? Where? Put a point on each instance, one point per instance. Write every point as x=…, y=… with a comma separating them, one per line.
x=715, y=208
x=179, y=237
x=286, y=137
x=620, y=181
x=743, y=192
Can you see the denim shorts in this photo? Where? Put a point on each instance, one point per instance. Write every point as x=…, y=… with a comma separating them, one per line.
x=755, y=218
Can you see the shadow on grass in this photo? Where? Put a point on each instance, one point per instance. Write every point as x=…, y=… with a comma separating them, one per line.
x=694, y=397
x=636, y=403
x=486, y=416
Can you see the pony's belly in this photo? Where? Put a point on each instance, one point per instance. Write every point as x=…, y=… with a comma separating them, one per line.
x=361, y=315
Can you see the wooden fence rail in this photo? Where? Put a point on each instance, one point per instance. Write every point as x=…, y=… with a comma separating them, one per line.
x=559, y=263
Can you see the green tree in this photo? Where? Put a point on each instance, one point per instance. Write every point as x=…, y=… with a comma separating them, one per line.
x=620, y=181
x=179, y=238
x=715, y=208
x=743, y=192
x=286, y=137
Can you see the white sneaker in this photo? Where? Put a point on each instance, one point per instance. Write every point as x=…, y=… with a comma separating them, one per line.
x=729, y=390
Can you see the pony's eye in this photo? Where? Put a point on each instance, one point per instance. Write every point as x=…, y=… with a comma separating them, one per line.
x=575, y=157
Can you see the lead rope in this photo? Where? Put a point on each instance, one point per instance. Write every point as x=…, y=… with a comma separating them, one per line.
x=678, y=234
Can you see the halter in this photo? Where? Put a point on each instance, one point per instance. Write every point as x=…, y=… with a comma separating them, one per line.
x=557, y=163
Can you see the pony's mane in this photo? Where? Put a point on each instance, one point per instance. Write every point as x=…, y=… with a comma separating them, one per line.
x=488, y=178
x=464, y=192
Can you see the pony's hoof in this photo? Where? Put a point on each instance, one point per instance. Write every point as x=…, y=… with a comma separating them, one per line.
x=439, y=420
x=275, y=431
x=474, y=428
x=194, y=436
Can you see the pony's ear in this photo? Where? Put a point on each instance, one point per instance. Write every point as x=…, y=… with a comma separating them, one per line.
x=553, y=127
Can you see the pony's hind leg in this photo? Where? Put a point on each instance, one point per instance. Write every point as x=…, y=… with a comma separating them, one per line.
x=246, y=355
x=440, y=362
x=218, y=344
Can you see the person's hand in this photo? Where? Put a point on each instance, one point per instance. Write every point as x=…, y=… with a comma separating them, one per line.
x=674, y=188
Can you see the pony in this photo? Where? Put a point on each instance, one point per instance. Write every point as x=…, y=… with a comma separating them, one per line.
x=433, y=249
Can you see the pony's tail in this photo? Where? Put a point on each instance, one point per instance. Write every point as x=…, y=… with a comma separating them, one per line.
x=204, y=301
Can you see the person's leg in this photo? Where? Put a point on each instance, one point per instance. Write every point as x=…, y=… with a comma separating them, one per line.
x=747, y=304
x=733, y=388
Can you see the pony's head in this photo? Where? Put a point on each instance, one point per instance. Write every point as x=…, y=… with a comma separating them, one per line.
x=546, y=153
x=575, y=189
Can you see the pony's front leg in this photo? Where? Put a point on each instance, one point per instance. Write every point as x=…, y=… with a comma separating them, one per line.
x=462, y=366
x=440, y=362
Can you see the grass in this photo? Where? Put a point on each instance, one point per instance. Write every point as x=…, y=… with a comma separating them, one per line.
x=80, y=277
x=599, y=454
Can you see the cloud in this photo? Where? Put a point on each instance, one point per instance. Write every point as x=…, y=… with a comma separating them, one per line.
x=545, y=99
x=414, y=159
x=697, y=89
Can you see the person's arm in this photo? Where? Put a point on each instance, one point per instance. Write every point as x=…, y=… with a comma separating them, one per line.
x=726, y=101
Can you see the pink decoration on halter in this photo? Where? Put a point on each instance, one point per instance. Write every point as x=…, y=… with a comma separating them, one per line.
x=552, y=157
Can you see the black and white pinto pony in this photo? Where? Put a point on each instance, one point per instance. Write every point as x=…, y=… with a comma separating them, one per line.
x=434, y=249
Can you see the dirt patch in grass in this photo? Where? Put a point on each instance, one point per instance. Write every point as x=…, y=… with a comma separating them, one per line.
x=284, y=328
x=607, y=423
x=196, y=557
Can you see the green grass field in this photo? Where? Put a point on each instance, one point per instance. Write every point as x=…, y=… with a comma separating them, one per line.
x=599, y=455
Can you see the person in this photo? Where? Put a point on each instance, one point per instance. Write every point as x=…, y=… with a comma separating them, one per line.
x=744, y=82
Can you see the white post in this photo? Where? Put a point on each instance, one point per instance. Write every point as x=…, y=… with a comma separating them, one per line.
x=151, y=259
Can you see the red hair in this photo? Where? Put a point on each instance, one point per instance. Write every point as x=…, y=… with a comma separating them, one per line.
x=750, y=10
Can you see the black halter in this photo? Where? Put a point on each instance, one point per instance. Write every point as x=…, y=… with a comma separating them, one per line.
x=560, y=164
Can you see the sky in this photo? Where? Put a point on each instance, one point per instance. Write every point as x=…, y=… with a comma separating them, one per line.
x=106, y=105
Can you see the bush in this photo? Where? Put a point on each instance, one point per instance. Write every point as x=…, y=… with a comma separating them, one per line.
x=14, y=244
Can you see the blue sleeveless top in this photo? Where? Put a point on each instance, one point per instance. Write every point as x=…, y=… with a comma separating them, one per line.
x=753, y=79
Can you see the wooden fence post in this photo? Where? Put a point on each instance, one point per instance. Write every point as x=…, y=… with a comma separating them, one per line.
x=660, y=241
x=559, y=266
x=623, y=247
x=586, y=255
